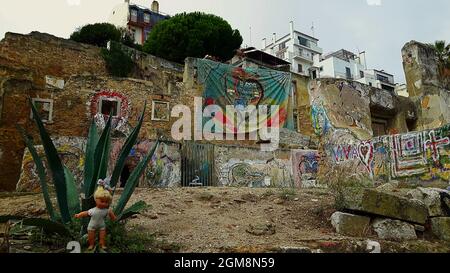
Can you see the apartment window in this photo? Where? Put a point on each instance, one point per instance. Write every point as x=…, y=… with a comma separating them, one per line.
x=146, y=18
x=361, y=74
x=303, y=41
x=283, y=45
x=134, y=15
x=314, y=74
x=370, y=84
x=321, y=68
x=348, y=73
x=383, y=78
x=300, y=68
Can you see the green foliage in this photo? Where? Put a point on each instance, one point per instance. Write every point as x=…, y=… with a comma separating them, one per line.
x=89, y=159
x=193, y=35
x=55, y=165
x=287, y=194
x=133, y=210
x=133, y=180
x=443, y=53
x=97, y=157
x=97, y=34
x=126, y=149
x=118, y=63
x=48, y=226
x=41, y=173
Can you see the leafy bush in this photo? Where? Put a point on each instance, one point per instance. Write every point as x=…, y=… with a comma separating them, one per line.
x=97, y=34
x=118, y=62
x=193, y=35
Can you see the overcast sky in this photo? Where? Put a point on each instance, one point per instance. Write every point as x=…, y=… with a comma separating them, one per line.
x=379, y=27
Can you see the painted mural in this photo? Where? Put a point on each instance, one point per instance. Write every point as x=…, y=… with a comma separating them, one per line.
x=246, y=167
x=422, y=154
x=71, y=152
x=234, y=86
x=305, y=164
x=163, y=170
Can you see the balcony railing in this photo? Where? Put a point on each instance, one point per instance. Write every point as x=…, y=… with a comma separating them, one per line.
x=303, y=55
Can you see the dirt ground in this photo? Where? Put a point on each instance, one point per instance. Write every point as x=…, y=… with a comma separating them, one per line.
x=204, y=220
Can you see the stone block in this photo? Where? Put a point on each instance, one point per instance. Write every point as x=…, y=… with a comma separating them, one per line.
x=350, y=224
x=388, y=229
x=440, y=226
x=385, y=204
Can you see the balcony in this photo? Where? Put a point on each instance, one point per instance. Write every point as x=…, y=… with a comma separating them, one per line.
x=301, y=55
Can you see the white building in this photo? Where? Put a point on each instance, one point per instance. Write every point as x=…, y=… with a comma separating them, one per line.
x=297, y=48
x=137, y=19
x=344, y=64
x=401, y=90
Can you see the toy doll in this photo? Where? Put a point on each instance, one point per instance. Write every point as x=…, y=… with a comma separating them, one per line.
x=103, y=199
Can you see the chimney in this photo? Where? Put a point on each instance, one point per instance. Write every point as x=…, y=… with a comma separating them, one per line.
x=155, y=6
x=291, y=27
x=274, y=38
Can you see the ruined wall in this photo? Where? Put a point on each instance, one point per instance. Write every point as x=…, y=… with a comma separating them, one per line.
x=416, y=156
x=303, y=105
x=163, y=170
x=427, y=85
x=29, y=64
x=247, y=167
x=342, y=113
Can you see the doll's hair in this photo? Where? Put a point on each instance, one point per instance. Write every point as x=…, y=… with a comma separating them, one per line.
x=101, y=192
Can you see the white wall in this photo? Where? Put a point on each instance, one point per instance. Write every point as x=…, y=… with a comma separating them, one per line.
x=119, y=15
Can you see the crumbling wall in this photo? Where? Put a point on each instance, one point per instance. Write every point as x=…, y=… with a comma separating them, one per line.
x=428, y=87
x=342, y=116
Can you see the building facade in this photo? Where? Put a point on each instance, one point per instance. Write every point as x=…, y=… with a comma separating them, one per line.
x=137, y=19
x=297, y=48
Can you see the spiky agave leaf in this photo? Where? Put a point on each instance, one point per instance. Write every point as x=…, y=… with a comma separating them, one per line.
x=73, y=198
x=133, y=181
x=101, y=157
x=89, y=164
x=134, y=209
x=41, y=172
x=47, y=225
x=55, y=165
x=125, y=152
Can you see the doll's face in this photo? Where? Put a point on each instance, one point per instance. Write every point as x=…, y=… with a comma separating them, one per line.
x=102, y=203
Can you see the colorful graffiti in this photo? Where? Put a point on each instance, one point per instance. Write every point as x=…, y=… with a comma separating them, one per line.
x=424, y=154
x=71, y=153
x=226, y=85
x=305, y=164
x=105, y=101
x=163, y=169
x=320, y=121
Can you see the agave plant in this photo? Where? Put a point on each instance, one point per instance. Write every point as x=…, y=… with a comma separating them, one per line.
x=69, y=200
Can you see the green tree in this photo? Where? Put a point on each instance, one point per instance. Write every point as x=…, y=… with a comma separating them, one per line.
x=443, y=53
x=193, y=35
x=97, y=34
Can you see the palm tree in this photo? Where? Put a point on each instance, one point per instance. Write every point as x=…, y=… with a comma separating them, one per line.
x=443, y=56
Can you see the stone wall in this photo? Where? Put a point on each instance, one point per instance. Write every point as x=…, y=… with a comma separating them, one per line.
x=342, y=113
x=428, y=87
x=163, y=170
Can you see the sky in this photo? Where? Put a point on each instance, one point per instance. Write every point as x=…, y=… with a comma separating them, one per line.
x=378, y=27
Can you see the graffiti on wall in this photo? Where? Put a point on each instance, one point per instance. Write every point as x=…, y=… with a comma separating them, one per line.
x=163, y=169
x=105, y=103
x=305, y=164
x=424, y=154
x=71, y=153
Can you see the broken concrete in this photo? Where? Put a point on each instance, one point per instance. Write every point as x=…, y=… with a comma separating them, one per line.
x=431, y=198
x=350, y=224
x=385, y=204
x=388, y=229
x=440, y=227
